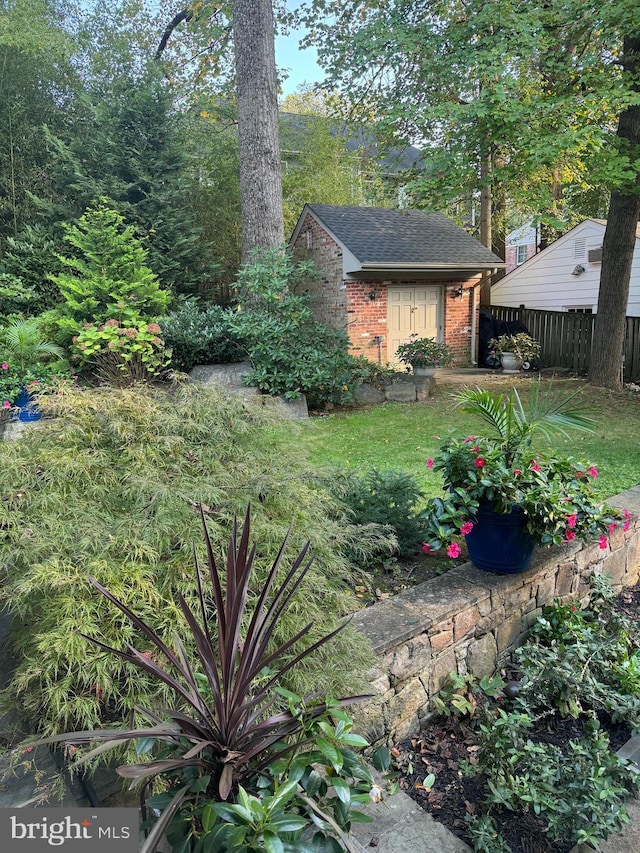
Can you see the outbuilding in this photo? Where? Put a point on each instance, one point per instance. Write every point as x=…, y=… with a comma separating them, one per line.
x=387, y=274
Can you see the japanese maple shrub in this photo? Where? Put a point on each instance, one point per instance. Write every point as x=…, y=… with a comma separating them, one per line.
x=239, y=771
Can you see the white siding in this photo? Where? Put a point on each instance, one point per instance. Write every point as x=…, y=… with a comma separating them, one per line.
x=545, y=281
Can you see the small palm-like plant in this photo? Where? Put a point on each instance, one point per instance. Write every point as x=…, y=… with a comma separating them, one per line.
x=23, y=340
x=225, y=732
x=514, y=425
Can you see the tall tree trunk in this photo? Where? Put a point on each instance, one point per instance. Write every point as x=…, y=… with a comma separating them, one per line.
x=617, y=248
x=485, y=222
x=259, y=148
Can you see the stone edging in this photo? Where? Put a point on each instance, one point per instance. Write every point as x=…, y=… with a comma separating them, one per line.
x=468, y=620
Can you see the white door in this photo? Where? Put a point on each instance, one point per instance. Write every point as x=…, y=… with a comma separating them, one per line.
x=412, y=311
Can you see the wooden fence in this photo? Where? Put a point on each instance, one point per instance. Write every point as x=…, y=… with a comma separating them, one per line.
x=566, y=339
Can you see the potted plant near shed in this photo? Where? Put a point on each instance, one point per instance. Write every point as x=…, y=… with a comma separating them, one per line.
x=424, y=355
x=504, y=496
x=515, y=351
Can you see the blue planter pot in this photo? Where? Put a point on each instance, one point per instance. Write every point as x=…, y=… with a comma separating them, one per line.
x=500, y=542
x=28, y=410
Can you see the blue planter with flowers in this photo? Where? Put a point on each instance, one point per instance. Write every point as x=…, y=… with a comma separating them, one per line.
x=500, y=542
x=27, y=409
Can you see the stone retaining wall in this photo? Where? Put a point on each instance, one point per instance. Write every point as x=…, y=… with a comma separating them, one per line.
x=468, y=621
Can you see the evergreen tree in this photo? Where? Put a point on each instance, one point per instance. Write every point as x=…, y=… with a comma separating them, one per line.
x=108, y=276
x=131, y=151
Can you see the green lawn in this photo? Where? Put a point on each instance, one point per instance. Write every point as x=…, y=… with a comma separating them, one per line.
x=403, y=435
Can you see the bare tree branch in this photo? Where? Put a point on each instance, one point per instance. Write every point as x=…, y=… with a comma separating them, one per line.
x=185, y=15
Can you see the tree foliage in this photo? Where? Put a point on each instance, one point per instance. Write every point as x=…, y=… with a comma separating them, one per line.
x=530, y=91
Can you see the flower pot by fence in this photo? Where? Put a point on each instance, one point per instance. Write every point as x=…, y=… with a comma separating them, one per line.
x=26, y=408
x=510, y=362
x=500, y=542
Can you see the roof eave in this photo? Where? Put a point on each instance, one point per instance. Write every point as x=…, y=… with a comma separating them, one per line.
x=366, y=267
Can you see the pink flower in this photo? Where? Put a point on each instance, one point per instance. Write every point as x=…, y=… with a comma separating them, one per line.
x=429, y=463
x=517, y=471
x=534, y=466
x=6, y=404
x=625, y=525
x=453, y=550
x=612, y=527
x=469, y=438
x=427, y=548
x=572, y=520
x=571, y=534
x=466, y=528
x=154, y=328
x=479, y=462
x=626, y=514
x=476, y=449
x=593, y=471
x=603, y=543
x=4, y=365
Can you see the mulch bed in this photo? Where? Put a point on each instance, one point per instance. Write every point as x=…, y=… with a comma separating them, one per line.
x=444, y=744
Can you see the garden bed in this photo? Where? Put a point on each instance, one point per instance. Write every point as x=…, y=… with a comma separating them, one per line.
x=445, y=746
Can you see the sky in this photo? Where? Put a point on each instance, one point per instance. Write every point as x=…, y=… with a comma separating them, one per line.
x=301, y=64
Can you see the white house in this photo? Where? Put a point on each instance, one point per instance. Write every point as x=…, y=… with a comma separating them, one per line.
x=566, y=275
x=520, y=245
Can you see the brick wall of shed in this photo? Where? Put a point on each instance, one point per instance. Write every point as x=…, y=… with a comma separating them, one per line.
x=457, y=320
x=328, y=299
x=367, y=319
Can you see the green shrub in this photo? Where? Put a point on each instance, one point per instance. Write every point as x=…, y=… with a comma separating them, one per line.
x=121, y=354
x=107, y=274
x=28, y=261
x=292, y=354
x=110, y=488
x=199, y=335
x=577, y=660
x=384, y=497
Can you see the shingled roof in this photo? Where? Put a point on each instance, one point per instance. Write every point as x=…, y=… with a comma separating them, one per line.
x=381, y=240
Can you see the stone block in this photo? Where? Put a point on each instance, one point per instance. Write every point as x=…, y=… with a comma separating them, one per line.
x=508, y=634
x=530, y=618
x=484, y=606
x=465, y=622
x=482, y=656
x=411, y=659
x=441, y=640
x=441, y=668
x=228, y=376
x=490, y=622
x=633, y=555
x=589, y=555
x=380, y=685
x=400, y=392
x=617, y=538
x=368, y=395
x=369, y=720
x=565, y=578
x=403, y=708
x=517, y=598
x=546, y=590
x=425, y=387
x=615, y=565
x=290, y=409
